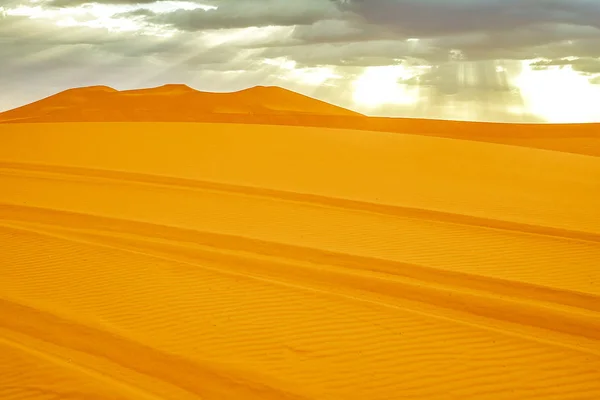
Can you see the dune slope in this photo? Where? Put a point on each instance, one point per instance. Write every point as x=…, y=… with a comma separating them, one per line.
x=277, y=106
x=212, y=261
x=166, y=103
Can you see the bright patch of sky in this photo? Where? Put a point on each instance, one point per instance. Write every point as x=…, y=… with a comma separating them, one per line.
x=558, y=94
x=382, y=85
x=310, y=76
x=245, y=36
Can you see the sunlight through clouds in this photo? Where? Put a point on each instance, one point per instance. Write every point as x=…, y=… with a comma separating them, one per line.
x=377, y=57
x=310, y=76
x=381, y=85
x=281, y=62
x=314, y=76
x=245, y=36
x=170, y=6
x=558, y=94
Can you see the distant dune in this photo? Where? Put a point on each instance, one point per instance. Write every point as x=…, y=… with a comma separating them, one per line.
x=277, y=106
x=220, y=260
x=172, y=103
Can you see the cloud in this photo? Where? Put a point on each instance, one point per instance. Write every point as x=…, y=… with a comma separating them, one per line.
x=427, y=18
x=586, y=65
x=17, y=31
x=479, y=30
x=73, y=3
x=367, y=53
x=249, y=13
x=483, y=29
x=453, y=78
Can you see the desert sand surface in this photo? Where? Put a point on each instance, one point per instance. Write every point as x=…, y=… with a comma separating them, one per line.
x=164, y=260
x=270, y=105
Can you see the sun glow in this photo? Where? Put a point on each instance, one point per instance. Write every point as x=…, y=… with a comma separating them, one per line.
x=382, y=85
x=310, y=76
x=245, y=37
x=558, y=94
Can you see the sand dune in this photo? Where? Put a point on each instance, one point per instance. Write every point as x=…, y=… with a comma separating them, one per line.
x=277, y=106
x=232, y=261
x=167, y=103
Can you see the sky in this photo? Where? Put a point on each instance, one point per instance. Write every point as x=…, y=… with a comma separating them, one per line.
x=480, y=60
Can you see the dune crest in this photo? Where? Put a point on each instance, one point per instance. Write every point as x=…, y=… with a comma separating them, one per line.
x=269, y=105
x=171, y=102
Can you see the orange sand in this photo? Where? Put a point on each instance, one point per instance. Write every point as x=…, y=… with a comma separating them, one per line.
x=276, y=106
x=246, y=261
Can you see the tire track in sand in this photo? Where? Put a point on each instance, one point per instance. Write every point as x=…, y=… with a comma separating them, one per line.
x=336, y=347
x=22, y=367
x=327, y=201
x=207, y=380
x=526, y=304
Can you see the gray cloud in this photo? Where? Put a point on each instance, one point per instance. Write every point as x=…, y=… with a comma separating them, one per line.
x=586, y=65
x=71, y=3
x=249, y=13
x=485, y=29
x=329, y=30
x=341, y=53
x=17, y=31
x=522, y=43
x=452, y=78
x=425, y=18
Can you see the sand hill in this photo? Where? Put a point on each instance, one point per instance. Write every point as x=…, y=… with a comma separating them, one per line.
x=173, y=103
x=277, y=106
x=163, y=260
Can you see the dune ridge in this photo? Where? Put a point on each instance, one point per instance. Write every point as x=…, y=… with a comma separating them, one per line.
x=171, y=102
x=271, y=105
x=215, y=260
